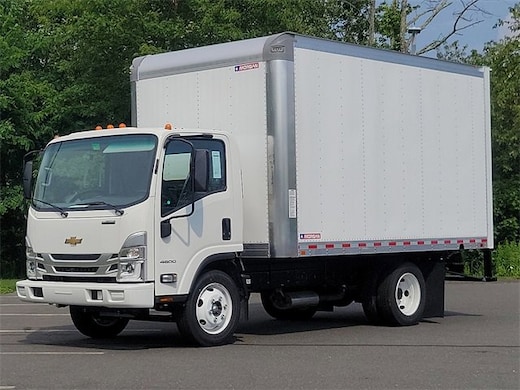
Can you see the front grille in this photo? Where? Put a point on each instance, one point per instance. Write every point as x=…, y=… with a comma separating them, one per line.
x=78, y=279
x=81, y=257
x=77, y=269
x=87, y=265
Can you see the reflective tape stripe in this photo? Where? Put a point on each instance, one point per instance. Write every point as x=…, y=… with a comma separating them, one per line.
x=360, y=247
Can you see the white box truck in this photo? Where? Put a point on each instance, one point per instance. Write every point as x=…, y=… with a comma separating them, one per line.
x=312, y=172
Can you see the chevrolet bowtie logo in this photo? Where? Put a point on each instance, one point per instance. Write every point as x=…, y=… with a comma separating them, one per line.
x=73, y=241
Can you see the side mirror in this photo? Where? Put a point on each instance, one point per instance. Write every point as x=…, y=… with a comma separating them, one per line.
x=27, y=178
x=201, y=174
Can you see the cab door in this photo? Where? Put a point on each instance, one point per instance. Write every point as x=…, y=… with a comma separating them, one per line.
x=196, y=210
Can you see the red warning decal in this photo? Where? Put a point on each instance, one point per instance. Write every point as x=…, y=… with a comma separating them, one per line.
x=310, y=236
x=250, y=66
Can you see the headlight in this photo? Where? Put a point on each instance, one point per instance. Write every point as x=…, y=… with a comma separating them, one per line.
x=30, y=263
x=134, y=253
x=132, y=259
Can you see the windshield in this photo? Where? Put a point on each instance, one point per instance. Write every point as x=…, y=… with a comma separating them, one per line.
x=103, y=172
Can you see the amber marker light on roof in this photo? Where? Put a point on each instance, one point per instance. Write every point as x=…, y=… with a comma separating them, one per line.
x=168, y=126
x=122, y=125
x=110, y=126
x=99, y=128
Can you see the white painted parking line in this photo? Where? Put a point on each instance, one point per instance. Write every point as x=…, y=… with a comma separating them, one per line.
x=21, y=331
x=52, y=353
x=33, y=315
x=18, y=331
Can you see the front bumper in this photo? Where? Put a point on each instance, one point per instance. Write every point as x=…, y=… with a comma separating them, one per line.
x=116, y=295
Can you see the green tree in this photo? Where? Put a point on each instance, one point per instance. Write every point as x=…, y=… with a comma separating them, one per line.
x=350, y=20
x=64, y=67
x=504, y=59
x=26, y=103
x=213, y=21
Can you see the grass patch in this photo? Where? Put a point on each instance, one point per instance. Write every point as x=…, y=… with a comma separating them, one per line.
x=506, y=261
x=7, y=286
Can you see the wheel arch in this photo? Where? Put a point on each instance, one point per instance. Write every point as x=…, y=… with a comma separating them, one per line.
x=225, y=262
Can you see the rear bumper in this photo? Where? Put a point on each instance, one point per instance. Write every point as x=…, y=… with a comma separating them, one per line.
x=138, y=295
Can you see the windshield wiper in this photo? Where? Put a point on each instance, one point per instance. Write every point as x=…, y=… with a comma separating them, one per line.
x=117, y=210
x=63, y=213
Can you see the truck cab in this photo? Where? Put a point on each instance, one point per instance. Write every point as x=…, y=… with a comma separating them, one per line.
x=122, y=222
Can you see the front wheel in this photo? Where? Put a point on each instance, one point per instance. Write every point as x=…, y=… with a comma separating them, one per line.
x=401, y=296
x=91, y=324
x=212, y=311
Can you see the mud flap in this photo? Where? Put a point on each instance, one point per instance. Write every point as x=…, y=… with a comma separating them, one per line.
x=434, y=274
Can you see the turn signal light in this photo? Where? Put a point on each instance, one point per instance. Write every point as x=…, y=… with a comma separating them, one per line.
x=165, y=299
x=121, y=126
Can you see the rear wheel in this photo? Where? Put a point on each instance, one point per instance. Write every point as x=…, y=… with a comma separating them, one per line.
x=212, y=311
x=401, y=296
x=271, y=307
x=91, y=324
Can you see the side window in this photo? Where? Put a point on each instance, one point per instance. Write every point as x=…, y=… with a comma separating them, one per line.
x=176, y=191
x=217, y=164
x=177, y=184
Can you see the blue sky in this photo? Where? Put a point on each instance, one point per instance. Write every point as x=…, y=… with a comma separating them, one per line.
x=474, y=37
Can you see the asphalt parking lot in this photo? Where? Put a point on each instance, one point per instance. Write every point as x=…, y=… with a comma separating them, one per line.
x=475, y=346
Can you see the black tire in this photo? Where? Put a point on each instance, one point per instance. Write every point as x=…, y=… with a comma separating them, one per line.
x=212, y=312
x=401, y=296
x=92, y=325
x=298, y=314
x=370, y=310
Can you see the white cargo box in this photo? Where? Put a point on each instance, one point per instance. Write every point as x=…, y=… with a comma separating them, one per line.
x=344, y=149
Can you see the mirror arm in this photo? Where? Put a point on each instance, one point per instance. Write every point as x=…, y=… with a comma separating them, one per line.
x=166, y=227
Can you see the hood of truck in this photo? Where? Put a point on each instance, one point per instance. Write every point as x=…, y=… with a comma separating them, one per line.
x=86, y=231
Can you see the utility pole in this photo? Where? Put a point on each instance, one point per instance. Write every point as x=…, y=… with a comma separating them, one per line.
x=402, y=32
x=413, y=31
x=372, y=23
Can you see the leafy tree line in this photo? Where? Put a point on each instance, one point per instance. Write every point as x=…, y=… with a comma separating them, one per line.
x=64, y=66
x=503, y=58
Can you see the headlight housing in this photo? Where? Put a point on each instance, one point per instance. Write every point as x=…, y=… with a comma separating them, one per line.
x=30, y=262
x=132, y=259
